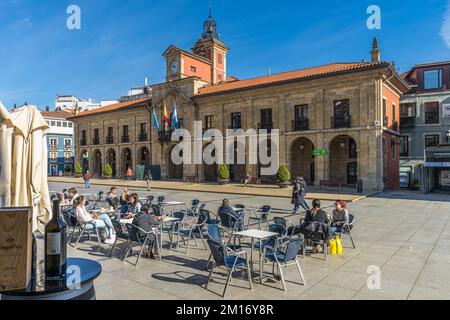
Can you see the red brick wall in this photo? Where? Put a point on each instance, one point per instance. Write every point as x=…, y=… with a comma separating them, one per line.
x=203, y=70
x=391, y=98
x=393, y=164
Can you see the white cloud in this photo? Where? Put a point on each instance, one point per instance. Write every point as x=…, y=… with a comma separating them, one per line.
x=445, y=29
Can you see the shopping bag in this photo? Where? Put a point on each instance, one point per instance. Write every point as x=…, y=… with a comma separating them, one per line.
x=338, y=245
x=333, y=248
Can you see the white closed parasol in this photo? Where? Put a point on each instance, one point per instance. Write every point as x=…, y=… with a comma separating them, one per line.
x=25, y=171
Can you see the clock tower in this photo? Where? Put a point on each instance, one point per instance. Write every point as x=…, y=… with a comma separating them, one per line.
x=207, y=60
x=212, y=48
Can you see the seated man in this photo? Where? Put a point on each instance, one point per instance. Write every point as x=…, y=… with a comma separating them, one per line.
x=226, y=209
x=146, y=221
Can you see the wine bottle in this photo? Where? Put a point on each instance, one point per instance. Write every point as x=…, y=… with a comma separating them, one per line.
x=55, y=246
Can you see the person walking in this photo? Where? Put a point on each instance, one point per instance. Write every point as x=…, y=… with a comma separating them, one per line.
x=129, y=173
x=148, y=177
x=87, y=179
x=298, y=195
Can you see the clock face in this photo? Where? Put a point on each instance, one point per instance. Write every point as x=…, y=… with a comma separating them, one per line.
x=174, y=67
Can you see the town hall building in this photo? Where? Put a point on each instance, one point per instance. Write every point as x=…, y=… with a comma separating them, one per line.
x=349, y=111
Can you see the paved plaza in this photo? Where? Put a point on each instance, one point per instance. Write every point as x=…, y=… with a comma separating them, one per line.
x=405, y=234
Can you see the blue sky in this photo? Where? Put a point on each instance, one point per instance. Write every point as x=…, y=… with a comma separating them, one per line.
x=121, y=42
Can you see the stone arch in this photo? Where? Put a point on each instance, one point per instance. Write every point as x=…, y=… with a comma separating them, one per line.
x=237, y=170
x=111, y=159
x=343, y=159
x=210, y=171
x=302, y=159
x=97, y=163
x=175, y=170
x=144, y=156
x=126, y=160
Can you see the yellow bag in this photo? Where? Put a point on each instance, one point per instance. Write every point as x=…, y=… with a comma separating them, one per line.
x=338, y=245
x=333, y=247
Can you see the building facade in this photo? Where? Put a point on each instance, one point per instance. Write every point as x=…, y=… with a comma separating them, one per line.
x=60, y=142
x=425, y=127
x=348, y=112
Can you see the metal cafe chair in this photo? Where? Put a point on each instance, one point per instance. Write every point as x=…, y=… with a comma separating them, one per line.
x=135, y=238
x=228, y=259
x=285, y=258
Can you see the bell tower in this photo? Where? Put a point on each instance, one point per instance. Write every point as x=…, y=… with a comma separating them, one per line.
x=212, y=48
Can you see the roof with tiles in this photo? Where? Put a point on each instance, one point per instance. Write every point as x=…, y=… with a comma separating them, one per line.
x=113, y=107
x=320, y=71
x=57, y=114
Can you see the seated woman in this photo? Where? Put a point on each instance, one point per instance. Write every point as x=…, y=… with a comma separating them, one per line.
x=134, y=206
x=101, y=222
x=340, y=216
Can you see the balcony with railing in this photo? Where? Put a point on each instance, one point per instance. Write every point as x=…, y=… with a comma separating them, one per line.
x=96, y=141
x=341, y=122
x=109, y=140
x=53, y=147
x=164, y=136
x=407, y=122
x=125, y=139
x=143, y=136
x=300, y=125
x=265, y=126
x=83, y=142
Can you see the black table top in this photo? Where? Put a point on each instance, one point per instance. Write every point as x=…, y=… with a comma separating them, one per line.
x=79, y=272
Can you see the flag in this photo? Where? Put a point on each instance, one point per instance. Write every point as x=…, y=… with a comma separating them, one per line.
x=155, y=119
x=175, y=121
x=166, y=116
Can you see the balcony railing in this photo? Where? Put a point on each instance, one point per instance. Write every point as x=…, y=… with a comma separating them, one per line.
x=300, y=125
x=265, y=125
x=235, y=127
x=109, y=140
x=341, y=122
x=125, y=139
x=164, y=136
x=143, y=136
x=96, y=141
x=407, y=122
x=431, y=117
x=53, y=147
x=83, y=142
x=67, y=147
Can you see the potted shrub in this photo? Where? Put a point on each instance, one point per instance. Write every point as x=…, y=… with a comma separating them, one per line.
x=284, y=176
x=223, y=174
x=78, y=170
x=416, y=185
x=107, y=171
x=67, y=170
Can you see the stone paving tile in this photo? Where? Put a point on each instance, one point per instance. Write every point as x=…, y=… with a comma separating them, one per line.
x=412, y=248
x=421, y=292
x=327, y=292
x=390, y=290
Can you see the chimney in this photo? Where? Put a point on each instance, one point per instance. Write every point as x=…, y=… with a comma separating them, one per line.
x=375, y=53
x=47, y=108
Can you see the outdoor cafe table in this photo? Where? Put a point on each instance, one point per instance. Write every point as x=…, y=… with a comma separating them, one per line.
x=166, y=220
x=174, y=204
x=260, y=235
